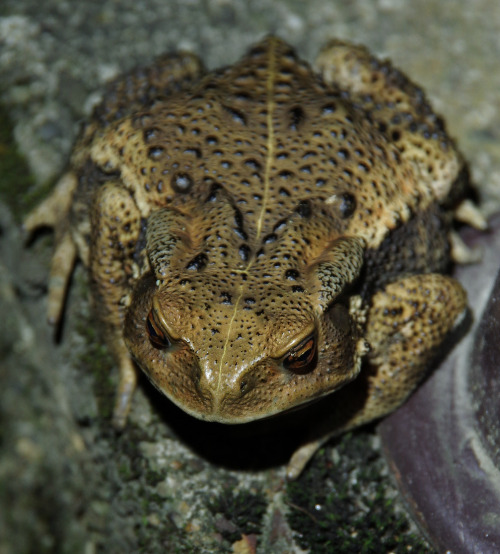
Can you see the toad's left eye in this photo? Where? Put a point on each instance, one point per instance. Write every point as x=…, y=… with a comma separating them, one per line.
x=158, y=337
x=303, y=357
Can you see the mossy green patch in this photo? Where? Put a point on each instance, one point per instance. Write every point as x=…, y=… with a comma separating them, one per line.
x=153, y=477
x=165, y=537
x=238, y=513
x=342, y=505
x=97, y=359
x=17, y=188
x=155, y=531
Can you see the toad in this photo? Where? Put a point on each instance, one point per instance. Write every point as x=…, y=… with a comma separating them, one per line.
x=263, y=235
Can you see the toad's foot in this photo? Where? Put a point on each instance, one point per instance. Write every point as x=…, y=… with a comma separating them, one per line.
x=55, y=212
x=126, y=388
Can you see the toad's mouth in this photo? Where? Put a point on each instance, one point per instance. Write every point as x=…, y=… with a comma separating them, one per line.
x=231, y=408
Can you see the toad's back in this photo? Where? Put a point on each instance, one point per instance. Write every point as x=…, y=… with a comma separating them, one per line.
x=277, y=139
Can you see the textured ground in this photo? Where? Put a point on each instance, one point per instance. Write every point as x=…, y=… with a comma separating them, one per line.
x=67, y=482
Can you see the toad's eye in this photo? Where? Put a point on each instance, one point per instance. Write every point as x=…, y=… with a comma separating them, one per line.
x=303, y=357
x=158, y=337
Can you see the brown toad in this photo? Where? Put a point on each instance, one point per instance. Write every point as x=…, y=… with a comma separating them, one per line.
x=260, y=236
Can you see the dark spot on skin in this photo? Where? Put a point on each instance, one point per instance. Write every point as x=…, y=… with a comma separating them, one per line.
x=292, y=274
x=396, y=311
x=297, y=288
x=211, y=84
x=194, y=151
x=243, y=96
x=238, y=220
x=151, y=134
x=283, y=192
x=226, y=298
x=290, y=55
x=197, y=263
x=269, y=238
x=244, y=252
x=280, y=225
x=253, y=164
x=257, y=51
x=308, y=155
x=212, y=195
x=347, y=205
x=283, y=86
x=328, y=108
x=156, y=152
x=285, y=175
x=304, y=208
x=236, y=115
x=396, y=135
x=297, y=116
x=343, y=154
x=181, y=182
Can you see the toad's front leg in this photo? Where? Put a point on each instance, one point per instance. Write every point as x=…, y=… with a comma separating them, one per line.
x=55, y=212
x=113, y=268
x=407, y=323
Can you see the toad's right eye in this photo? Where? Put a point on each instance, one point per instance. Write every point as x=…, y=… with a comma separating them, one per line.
x=158, y=336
